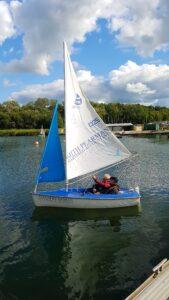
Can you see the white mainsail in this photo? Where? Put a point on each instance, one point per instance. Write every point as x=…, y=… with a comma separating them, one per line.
x=90, y=145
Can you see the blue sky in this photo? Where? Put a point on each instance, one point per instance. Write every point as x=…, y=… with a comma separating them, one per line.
x=119, y=49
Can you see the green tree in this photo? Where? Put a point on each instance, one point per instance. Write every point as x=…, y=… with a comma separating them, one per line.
x=11, y=105
x=4, y=120
x=38, y=113
x=42, y=103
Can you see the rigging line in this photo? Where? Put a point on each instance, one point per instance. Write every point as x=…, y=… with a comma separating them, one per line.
x=102, y=169
x=121, y=173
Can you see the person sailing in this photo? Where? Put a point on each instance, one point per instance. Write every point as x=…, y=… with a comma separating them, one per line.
x=100, y=186
x=114, y=187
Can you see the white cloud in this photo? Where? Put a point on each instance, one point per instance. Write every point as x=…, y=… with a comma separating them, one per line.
x=141, y=24
x=45, y=24
x=85, y=76
x=133, y=72
x=141, y=83
x=50, y=90
x=139, y=88
x=7, y=83
x=131, y=83
x=6, y=26
x=92, y=86
x=77, y=66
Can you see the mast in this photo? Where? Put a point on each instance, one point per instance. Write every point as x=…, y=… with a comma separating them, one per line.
x=64, y=58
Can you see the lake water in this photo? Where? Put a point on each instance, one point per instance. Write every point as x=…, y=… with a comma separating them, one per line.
x=55, y=254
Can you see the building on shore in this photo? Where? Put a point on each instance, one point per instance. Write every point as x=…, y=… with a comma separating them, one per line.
x=120, y=126
x=138, y=127
x=152, y=126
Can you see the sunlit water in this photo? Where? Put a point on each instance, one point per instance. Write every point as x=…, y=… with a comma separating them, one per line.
x=55, y=254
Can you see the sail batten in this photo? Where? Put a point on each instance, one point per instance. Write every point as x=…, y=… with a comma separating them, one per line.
x=90, y=145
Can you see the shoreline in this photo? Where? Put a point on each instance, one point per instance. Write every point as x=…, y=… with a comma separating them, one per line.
x=35, y=132
x=19, y=132
x=139, y=133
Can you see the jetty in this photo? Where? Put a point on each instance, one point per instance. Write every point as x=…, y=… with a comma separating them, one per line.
x=156, y=287
x=141, y=133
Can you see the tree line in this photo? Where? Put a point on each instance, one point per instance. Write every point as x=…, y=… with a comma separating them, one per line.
x=38, y=113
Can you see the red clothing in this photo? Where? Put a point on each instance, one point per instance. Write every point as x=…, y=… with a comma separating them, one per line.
x=105, y=183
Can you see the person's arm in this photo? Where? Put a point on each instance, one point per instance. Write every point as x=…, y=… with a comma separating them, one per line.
x=99, y=182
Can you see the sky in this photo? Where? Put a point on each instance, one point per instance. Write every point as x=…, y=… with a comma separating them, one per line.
x=119, y=48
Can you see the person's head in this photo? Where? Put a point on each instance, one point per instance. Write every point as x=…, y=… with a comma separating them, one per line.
x=113, y=179
x=106, y=177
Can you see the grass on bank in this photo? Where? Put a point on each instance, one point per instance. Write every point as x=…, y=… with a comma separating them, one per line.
x=25, y=132
x=20, y=132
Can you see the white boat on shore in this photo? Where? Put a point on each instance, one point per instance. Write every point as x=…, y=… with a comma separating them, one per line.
x=90, y=146
x=42, y=132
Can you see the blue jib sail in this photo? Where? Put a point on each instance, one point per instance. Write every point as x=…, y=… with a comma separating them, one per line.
x=52, y=164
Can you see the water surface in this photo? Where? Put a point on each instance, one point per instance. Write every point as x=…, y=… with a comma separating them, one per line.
x=57, y=254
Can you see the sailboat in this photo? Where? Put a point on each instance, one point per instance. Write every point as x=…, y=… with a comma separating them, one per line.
x=90, y=146
x=42, y=132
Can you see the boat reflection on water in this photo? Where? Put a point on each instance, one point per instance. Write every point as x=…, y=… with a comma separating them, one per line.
x=89, y=247
x=69, y=215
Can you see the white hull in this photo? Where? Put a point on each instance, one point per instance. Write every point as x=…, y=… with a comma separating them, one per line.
x=65, y=202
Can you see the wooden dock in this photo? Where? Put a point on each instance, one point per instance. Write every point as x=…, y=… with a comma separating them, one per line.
x=156, y=287
x=141, y=133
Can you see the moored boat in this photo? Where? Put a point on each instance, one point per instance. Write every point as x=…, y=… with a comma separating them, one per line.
x=42, y=132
